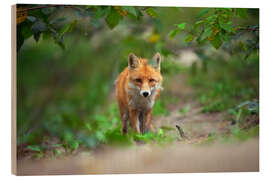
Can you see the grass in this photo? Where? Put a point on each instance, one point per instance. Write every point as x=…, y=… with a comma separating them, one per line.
x=226, y=85
x=184, y=110
x=159, y=109
x=235, y=135
x=104, y=129
x=230, y=87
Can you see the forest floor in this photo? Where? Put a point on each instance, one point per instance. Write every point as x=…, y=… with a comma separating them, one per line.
x=184, y=155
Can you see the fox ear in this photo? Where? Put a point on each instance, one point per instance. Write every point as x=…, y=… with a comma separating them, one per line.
x=133, y=61
x=157, y=60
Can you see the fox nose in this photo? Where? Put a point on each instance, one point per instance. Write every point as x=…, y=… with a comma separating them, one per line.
x=145, y=94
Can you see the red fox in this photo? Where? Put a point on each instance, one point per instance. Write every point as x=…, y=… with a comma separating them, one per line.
x=137, y=88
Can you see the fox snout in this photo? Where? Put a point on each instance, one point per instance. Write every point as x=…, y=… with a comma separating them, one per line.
x=145, y=93
x=145, y=90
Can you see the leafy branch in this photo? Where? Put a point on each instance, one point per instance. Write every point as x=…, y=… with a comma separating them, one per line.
x=216, y=28
x=39, y=20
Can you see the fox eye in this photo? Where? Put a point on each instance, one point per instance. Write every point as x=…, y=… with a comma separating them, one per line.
x=151, y=80
x=138, y=80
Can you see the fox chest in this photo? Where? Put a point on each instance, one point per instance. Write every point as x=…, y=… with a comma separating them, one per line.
x=138, y=102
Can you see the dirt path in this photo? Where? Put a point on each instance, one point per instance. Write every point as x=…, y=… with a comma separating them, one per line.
x=196, y=125
x=181, y=156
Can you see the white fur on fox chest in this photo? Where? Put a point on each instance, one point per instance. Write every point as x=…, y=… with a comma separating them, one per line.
x=138, y=102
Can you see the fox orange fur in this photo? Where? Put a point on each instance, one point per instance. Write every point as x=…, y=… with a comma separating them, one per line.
x=137, y=88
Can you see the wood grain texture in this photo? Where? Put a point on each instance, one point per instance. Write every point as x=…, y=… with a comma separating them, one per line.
x=13, y=92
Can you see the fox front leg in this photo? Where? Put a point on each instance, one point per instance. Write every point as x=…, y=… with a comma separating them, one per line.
x=142, y=122
x=133, y=117
x=125, y=122
x=147, y=121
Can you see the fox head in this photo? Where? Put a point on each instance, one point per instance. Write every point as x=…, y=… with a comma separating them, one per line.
x=144, y=75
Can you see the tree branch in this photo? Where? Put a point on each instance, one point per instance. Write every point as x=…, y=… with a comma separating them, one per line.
x=256, y=28
x=48, y=6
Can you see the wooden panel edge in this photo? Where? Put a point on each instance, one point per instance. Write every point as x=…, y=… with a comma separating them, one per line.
x=13, y=92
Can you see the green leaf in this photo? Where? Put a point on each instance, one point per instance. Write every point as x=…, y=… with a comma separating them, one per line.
x=25, y=31
x=130, y=10
x=226, y=37
x=37, y=36
x=207, y=33
x=68, y=28
x=253, y=107
x=19, y=36
x=139, y=13
x=68, y=136
x=100, y=12
x=37, y=28
x=181, y=26
x=173, y=33
x=243, y=46
x=203, y=12
x=212, y=19
x=88, y=126
x=227, y=26
x=216, y=41
x=197, y=23
x=58, y=152
x=72, y=25
x=100, y=136
x=113, y=18
x=242, y=12
x=31, y=18
x=189, y=38
x=34, y=148
x=151, y=12
x=74, y=145
x=160, y=132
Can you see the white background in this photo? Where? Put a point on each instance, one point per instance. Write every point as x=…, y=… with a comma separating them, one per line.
x=5, y=86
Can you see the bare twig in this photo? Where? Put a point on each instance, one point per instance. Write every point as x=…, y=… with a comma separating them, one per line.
x=249, y=29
